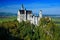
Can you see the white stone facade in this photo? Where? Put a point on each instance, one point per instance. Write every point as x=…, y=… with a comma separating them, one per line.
x=24, y=15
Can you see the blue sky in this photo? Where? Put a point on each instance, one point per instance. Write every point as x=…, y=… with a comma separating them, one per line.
x=47, y=6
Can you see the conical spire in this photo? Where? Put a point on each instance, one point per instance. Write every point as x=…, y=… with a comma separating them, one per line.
x=22, y=7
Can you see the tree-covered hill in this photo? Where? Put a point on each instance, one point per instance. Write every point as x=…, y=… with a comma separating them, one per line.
x=13, y=30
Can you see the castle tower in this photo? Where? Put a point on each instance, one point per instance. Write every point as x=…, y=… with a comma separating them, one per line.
x=25, y=15
x=40, y=14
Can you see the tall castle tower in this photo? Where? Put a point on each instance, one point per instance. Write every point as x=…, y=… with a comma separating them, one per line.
x=40, y=14
x=20, y=12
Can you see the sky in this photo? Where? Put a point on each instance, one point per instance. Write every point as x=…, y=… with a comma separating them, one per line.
x=47, y=6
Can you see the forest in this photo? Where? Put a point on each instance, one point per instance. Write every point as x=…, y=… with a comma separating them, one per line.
x=13, y=30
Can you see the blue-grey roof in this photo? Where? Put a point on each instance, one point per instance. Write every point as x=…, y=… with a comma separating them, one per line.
x=36, y=14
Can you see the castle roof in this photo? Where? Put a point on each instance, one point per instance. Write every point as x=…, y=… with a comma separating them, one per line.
x=27, y=11
x=21, y=11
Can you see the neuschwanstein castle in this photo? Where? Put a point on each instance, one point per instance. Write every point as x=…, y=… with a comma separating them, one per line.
x=24, y=15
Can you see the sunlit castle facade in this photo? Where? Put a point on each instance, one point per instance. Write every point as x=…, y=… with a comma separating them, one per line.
x=24, y=15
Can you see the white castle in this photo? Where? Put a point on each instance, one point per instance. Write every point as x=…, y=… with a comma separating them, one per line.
x=24, y=15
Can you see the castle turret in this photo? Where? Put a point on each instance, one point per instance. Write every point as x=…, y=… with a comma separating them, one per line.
x=25, y=16
x=40, y=14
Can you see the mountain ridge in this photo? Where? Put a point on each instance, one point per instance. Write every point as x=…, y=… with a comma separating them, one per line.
x=7, y=14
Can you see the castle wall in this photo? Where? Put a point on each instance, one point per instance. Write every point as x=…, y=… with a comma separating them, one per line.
x=18, y=17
